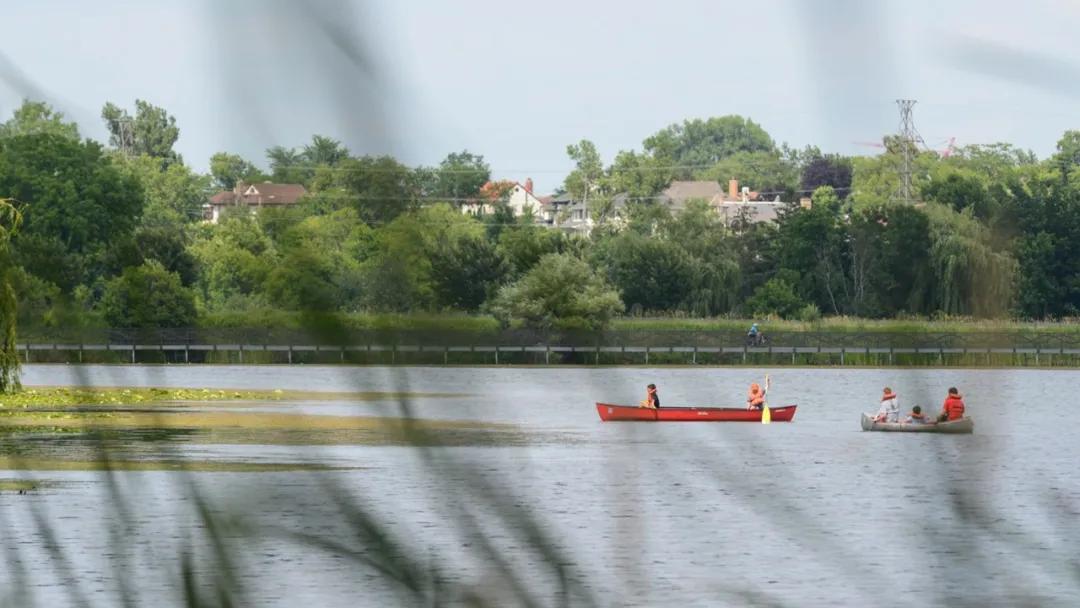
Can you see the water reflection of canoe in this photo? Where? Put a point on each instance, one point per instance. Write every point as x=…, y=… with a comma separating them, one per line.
x=609, y=411
x=964, y=425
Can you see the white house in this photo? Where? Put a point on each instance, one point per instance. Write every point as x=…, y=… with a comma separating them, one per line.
x=520, y=199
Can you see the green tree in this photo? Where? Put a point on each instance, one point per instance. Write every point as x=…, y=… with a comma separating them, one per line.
x=148, y=296
x=824, y=197
x=827, y=170
x=321, y=263
x=400, y=275
x=152, y=132
x=324, y=151
x=811, y=244
x=168, y=247
x=379, y=188
x=971, y=276
x=715, y=264
x=899, y=278
x=653, y=275
x=1067, y=158
x=762, y=171
x=561, y=292
x=38, y=117
x=776, y=297
x=234, y=259
x=961, y=191
x=876, y=179
x=10, y=218
x=230, y=169
x=461, y=175
x=643, y=217
x=173, y=195
x=1045, y=217
x=1041, y=293
x=288, y=166
x=584, y=182
x=698, y=144
x=523, y=246
x=639, y=176
x=467, y=273
x=994, y=161
x=75, y=204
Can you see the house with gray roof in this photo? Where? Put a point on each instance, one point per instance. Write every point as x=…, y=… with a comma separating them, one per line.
x=732, y=204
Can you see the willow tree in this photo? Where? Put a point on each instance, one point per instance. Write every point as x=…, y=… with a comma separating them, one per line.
x=10, y=218
x=971, y=277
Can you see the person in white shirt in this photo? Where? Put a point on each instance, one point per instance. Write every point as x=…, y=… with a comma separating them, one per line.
x=889, y=411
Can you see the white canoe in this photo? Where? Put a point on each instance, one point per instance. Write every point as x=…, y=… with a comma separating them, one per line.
x=964, y=425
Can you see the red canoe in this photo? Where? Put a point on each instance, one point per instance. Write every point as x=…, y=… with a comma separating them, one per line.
x=609, y=411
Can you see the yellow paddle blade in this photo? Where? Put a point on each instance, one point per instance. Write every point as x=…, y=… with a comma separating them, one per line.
x=766, y=416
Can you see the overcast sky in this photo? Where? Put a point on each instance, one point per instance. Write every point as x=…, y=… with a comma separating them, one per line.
x=518, y=81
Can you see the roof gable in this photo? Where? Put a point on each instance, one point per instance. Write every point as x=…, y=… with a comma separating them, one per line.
x=684, y=191
x=262, y=194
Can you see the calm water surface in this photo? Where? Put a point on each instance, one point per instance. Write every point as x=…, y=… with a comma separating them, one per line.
x=810, y=513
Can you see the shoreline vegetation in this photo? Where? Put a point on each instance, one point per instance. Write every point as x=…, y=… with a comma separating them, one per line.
x=470, y=340
x=270, y=320
x=61, y=428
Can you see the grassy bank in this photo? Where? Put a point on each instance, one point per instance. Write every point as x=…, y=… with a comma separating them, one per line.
x=469, y=340
x=281, y=320
x=848, y=325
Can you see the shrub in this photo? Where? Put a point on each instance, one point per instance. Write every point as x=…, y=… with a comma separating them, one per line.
x=148, y=296
x=775, y=297
x=560, y=292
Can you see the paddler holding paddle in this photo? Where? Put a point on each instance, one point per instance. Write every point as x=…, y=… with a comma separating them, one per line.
x=755, y=400
x=755, y=397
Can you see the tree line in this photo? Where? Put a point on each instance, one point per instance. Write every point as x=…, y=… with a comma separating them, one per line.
x=113, y=233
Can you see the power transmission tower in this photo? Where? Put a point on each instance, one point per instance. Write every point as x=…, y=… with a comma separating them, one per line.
x=909, y=138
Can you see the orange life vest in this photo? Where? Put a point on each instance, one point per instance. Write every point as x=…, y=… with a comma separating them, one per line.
x=954, y=407
x=755, y=397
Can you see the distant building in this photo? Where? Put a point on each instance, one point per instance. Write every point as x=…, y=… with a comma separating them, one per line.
x=519, y=198
x=522, y=200
x=747, y=205
x=678, y=194
x=252, y=197
x=733, y=204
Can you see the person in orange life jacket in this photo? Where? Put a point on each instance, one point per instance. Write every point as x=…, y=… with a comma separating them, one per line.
x=652, y=399
x=889, y=411
x=953, y=408
x=755, y=398
x=917, y=416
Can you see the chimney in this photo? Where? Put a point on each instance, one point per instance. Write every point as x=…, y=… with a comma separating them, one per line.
x=528, y=185
x=745, y=193
x=733, y=189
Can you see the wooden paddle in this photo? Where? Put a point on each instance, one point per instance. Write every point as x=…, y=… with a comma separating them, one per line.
x=766, y=415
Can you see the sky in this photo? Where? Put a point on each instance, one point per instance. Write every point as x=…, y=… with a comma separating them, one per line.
x=519, y=81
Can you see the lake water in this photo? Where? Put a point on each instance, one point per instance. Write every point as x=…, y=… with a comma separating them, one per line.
x=811, y=513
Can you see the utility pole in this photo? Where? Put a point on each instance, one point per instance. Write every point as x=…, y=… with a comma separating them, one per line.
x=908, y=138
